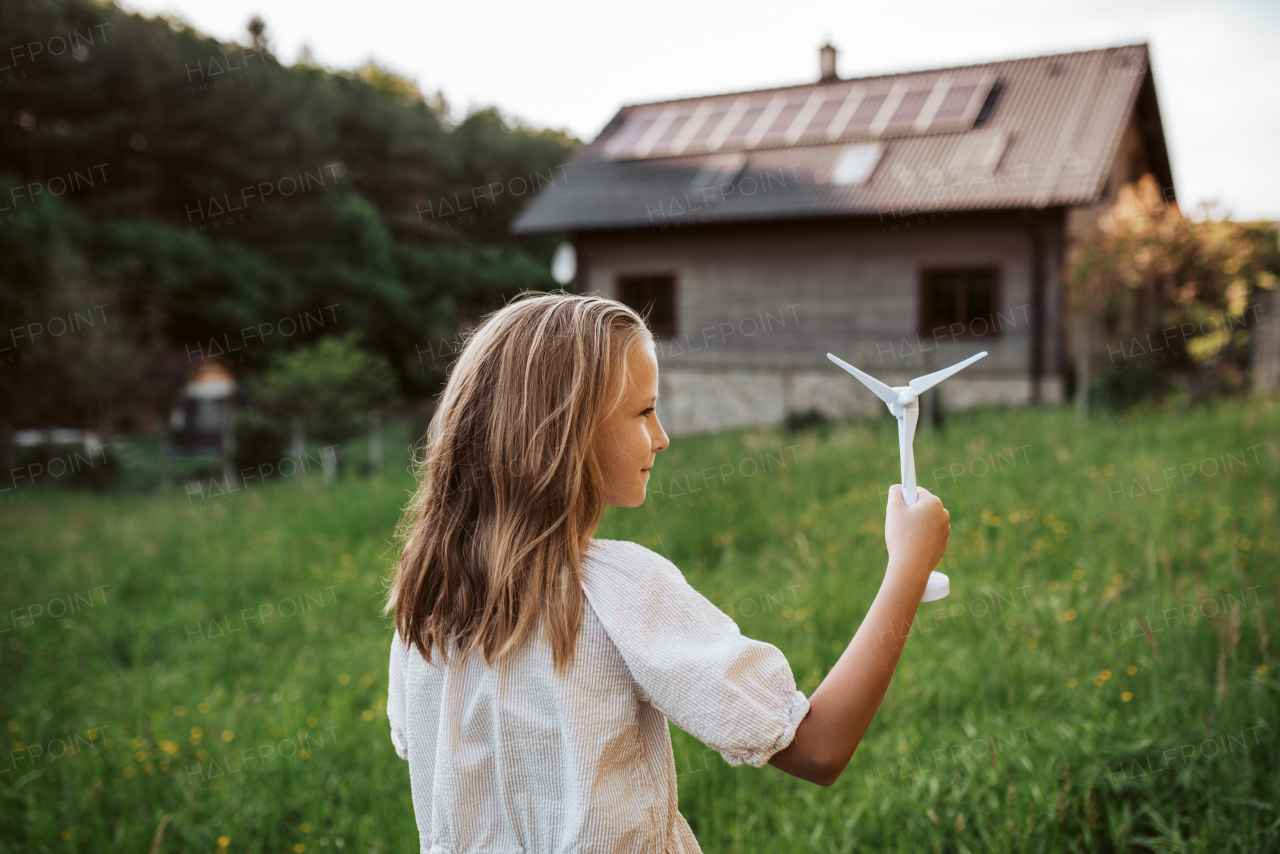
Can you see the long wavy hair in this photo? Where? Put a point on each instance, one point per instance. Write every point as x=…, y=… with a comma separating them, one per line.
x=510, y=490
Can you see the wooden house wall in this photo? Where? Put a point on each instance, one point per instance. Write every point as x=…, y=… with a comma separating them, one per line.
x=781, y=295
x=758, y=306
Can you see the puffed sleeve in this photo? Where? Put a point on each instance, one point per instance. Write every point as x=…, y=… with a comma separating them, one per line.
x=395, y=697
x=734, y=694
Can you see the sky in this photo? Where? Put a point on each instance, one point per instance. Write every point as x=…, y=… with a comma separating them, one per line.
x=571, y=65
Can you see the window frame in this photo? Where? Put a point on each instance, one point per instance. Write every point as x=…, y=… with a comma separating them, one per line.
x=675, y=297
x=923, y=302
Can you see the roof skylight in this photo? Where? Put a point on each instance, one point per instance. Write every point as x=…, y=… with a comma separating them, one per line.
x=856, y=164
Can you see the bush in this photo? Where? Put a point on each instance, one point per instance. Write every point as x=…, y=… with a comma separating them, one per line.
x=1119, y=390
x=798, y=421
x=259, y=440
x=65, y=466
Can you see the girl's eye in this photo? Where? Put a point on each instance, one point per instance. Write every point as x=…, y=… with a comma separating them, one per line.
x=647, y=412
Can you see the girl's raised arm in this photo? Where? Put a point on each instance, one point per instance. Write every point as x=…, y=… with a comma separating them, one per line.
x=842, y=707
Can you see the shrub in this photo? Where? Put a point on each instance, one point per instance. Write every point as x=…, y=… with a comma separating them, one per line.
x=798, y=421
x=259, y=440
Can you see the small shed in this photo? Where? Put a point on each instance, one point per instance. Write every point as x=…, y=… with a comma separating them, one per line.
x=200, y=419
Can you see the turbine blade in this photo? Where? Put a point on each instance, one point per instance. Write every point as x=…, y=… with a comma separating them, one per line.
x=882, y=391
x=922, y=384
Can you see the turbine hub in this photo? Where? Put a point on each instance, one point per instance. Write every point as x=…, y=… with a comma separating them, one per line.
x=906, y=397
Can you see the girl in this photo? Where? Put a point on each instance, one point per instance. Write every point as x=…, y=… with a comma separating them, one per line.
x=534, y=669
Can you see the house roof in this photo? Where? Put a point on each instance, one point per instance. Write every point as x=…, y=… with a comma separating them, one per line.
x=1038, y=132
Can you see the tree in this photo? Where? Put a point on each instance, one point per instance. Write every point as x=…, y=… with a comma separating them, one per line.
x=327, y=172
x=1152, y=280
x=329, y=387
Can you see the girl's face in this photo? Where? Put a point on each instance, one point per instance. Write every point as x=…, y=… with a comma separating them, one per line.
x=631, y=435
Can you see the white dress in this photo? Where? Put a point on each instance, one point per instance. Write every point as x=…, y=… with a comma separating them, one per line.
x=519, y=759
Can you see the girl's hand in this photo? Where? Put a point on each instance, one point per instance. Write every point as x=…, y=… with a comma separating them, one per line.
x=843, y=706
x=916, y=535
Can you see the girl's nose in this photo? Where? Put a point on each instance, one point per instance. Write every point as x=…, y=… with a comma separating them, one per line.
x=663, y=440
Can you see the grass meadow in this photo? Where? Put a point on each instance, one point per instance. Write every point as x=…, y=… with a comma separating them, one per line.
x=212, y=671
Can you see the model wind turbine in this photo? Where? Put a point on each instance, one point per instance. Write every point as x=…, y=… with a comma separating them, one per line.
x=903, y=402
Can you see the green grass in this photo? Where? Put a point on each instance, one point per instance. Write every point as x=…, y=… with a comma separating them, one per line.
x=1000, y=688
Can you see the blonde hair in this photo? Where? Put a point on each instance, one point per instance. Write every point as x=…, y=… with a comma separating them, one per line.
x=510, y=490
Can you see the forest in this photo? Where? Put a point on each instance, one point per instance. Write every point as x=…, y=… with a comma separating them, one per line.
x=164, y=196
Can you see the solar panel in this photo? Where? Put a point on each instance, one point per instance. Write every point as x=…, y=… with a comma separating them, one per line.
x=655, y=131
x=817, y=100
x=845, y=112
x=689, y=130
x=738, y=135
x=782, y=122
x=765, y=120
x=909, y=107
x=699, y=139
x=823, y=113
x=868, y=109
x=624, y=141
x=823, y=117
x=673, y=129
x=961, y=104
x=731, y=118
x=887, y=109
x=954, y=103
x=930, y=107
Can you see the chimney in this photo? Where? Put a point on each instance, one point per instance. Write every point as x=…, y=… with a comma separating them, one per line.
x=827, y=63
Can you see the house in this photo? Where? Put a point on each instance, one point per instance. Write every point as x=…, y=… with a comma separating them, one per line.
x=902, y=222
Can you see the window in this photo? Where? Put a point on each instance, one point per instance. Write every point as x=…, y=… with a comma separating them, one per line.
x=962, y=302
x=980, y=152
x=655, y=295
x=856, y=164
x=718, y=171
